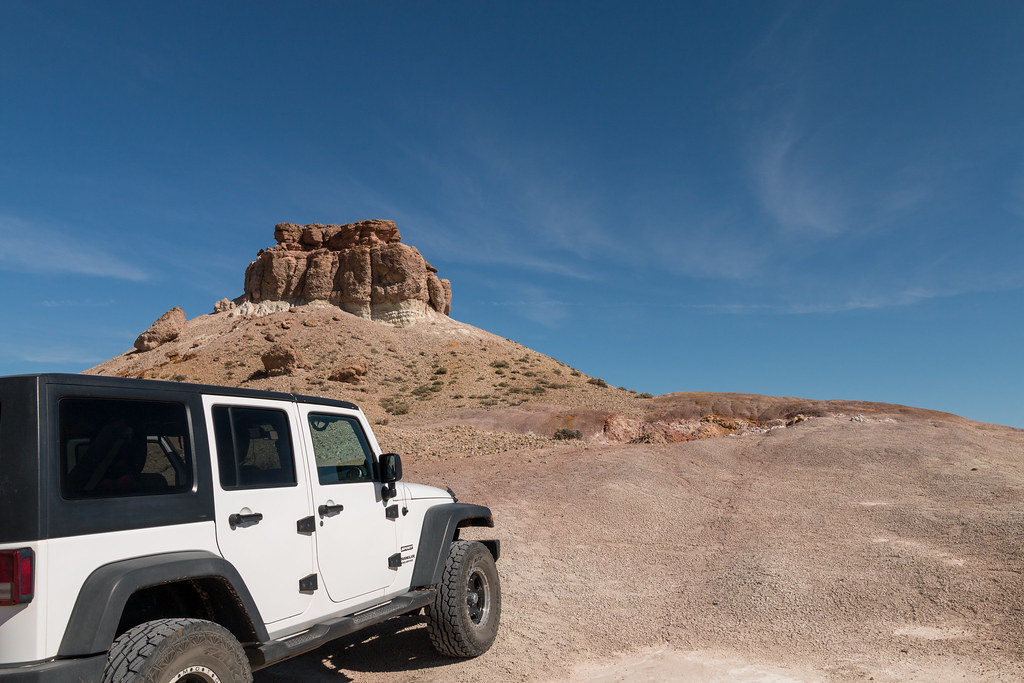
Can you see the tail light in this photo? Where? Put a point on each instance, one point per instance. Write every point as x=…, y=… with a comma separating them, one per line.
x=17, y=570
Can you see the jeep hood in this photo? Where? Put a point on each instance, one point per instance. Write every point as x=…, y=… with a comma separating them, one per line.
x=419, y=491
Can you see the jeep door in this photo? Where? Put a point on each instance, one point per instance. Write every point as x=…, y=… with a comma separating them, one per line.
x=354, y=537
x=260, y=496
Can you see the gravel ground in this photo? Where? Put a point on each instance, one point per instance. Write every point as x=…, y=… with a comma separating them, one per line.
x=882, y=549
x=452, y=442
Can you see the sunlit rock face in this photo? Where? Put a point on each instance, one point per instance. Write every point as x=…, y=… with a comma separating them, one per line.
x=361, y=267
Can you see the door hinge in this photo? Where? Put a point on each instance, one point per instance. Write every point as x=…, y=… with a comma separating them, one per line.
x=306, y=525
x=308, y=584
x=391, y=512
x=395, y=561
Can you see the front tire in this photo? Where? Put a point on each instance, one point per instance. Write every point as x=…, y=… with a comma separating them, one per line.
x=177, y=651
x=463, y=620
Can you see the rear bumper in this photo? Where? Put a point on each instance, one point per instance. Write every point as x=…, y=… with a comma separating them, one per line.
x=78, y=670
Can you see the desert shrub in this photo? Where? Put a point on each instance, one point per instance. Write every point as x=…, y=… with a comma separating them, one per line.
x=575, y=373
x=441, y=371
x=597, y=381
x=565, y=434
x=394, y=405
x=424, y=390
x=499, y=363
x=646, y=395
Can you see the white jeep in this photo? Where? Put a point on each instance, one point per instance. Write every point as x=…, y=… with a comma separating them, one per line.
x=166, y=532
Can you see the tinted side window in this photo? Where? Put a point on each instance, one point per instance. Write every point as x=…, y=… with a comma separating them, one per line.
x=340, y=447
x=254, y=447
x=122, y=447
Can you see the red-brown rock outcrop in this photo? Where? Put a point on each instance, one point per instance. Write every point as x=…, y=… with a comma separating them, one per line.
x=361, y=267
x=283, y=359
x=166, y=328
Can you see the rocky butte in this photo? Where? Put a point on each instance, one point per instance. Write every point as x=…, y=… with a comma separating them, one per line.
x=360, y=267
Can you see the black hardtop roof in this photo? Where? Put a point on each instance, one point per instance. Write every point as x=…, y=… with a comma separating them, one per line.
x=99, y=381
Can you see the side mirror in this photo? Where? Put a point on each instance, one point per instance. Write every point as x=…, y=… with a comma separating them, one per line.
x=390, y=472
x=390, y=468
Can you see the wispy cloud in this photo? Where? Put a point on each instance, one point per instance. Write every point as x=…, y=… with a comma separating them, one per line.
x=515, y=202
x=77, y=303
x=872, y=302
x=536, y=304
x=463, y=224
x=62, y=357
x=32, y=248
x=699, y=242
x=792, y=187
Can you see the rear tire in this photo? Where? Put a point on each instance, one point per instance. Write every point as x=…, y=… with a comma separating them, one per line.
x=177, y=651
x=463, y=620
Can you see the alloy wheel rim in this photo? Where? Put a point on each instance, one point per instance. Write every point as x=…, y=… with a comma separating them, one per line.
x=478, y=597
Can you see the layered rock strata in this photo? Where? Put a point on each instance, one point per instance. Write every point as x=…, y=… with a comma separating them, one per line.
x=361, y=267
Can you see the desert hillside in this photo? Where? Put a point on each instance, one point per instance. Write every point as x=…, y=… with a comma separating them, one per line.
x=688, y=536
x=887, y=548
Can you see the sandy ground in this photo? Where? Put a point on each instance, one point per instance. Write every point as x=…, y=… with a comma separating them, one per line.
x=833, y=550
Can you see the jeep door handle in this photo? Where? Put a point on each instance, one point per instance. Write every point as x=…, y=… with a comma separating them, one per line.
x=238, y=519
x=329, y=510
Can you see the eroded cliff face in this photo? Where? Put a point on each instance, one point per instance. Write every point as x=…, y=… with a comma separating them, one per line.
x=361, y=267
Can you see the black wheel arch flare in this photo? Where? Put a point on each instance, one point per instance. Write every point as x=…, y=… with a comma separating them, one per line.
x=102, y=598
x=440, y=526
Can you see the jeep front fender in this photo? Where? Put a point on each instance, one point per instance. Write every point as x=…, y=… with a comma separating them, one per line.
x=97, y=612
x=440, y=524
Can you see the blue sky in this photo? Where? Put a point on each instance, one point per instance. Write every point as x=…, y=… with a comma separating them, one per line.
x=822, y=200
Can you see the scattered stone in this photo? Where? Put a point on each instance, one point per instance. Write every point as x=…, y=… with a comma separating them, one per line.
x=223, y=306
x=283, y=359
x=352, y=371
x=166, y=328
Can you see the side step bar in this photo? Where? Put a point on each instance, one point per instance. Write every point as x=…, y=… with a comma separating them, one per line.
x=266, y=654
